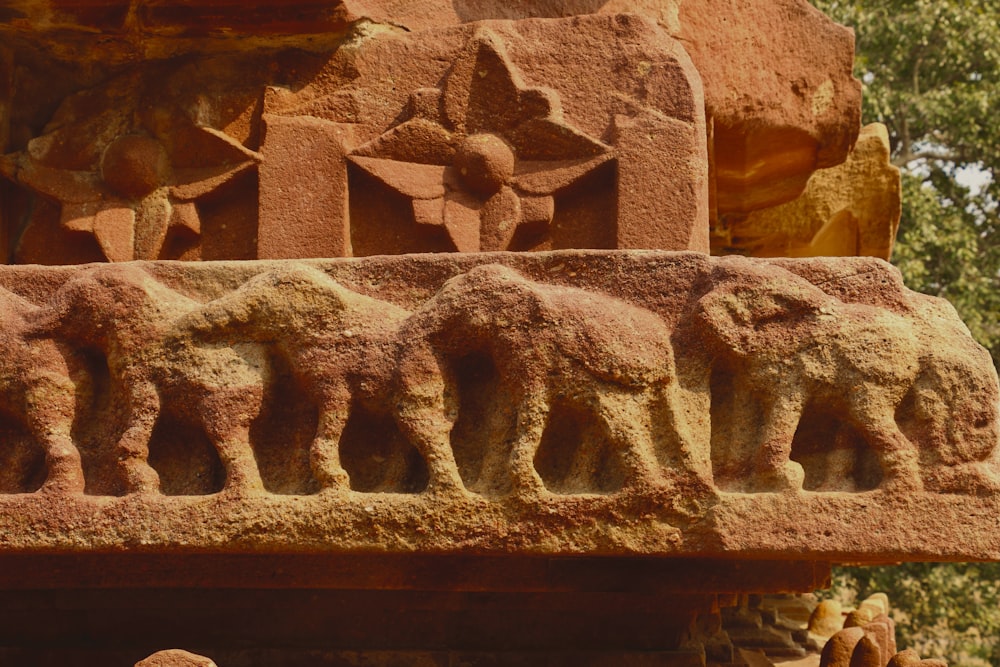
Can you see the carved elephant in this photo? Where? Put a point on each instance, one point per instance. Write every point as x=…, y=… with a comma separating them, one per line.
x=130, y=319
x=549, y=344
x=37, y=387
x=788, y=345
x=340, y=346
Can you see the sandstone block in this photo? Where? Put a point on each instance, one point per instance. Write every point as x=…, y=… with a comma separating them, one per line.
x=826, y=619
x=494, y=404
x=849, y=210
x=175, y=658
x=489, y=139
x=779, y=88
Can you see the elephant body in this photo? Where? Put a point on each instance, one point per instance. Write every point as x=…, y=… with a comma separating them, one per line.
x=340, y=346
x=130, y=319
x=788, y=345
x=549, y=345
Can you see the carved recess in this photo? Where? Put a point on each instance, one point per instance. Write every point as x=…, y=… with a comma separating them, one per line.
x=702, y=395
x=485, y=137
x=468, y=138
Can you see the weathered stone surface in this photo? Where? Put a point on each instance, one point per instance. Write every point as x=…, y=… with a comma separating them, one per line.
x=393, y=117
x=867, y=653
x=462, y=137
x=906, y=658
x=839, y=650
x=551, y=403
x=871, y=645
x=779, y=89
x=910, y=658
x=489, y=139
x=826, y=619
x=138, y=165
x=175, y=658
x=121, y=32
x=849, y=210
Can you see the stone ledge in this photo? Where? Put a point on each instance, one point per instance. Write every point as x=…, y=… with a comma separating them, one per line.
x=602, y=403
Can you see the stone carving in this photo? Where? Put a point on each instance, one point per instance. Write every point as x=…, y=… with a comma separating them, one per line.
x=495, y=385
x=779, y=92
x=790, y=347
x=128, y=318
x=354, y=126
x=552, y=347
x=37, y=386
x=483, y=155
x=465, y=150
x=873, y=645
x=131, y=175
x=340, y=345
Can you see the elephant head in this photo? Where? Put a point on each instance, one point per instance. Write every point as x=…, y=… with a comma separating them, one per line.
x=750, y=311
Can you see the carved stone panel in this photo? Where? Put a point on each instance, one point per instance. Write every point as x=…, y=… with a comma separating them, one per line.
x=471, y=138
x=633, y=403
x=487, y=137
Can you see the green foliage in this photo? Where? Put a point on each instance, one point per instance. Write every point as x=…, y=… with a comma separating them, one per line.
x=931, y=71
x=942, y=610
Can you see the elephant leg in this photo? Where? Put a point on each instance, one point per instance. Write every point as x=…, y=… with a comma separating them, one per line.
x=695, y=458
x=532, y=412
x=425, y=420
x=626, y=425
x=49, y=414
x=875, y=416
x=133, y=446
x=774, y=469
x=430, y=433
x=324, y=452
x=226, y=415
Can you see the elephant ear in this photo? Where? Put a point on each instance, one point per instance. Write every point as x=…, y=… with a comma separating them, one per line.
x=740, y=317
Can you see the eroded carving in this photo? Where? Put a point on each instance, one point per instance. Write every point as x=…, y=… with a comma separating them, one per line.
x=131, y=175
x=551, y=347
x=37, y=388
x=128, y=318
x=501, y=383
x=790, y=349
x=455, y=399
x=340, y=345
x=445, y=140
x=482, y=155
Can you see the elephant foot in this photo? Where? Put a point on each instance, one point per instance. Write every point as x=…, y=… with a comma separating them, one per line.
x=445, y=485
x=788, y=477
x=65, y=472
x=63, y=485
x=902, y=483
x=139, y=477
x=978, y=478
x=332, y=479
x=529, y=486
x=645, y=477
x=242, y=482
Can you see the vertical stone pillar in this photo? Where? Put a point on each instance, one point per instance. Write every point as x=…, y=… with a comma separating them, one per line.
x=662, y=183
x=303, y=209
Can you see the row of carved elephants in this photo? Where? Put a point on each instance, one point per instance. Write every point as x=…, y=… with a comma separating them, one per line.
x=777, y=345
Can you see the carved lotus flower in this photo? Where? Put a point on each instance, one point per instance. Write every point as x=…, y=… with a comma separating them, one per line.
x=133, y=193
x=483, y=155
